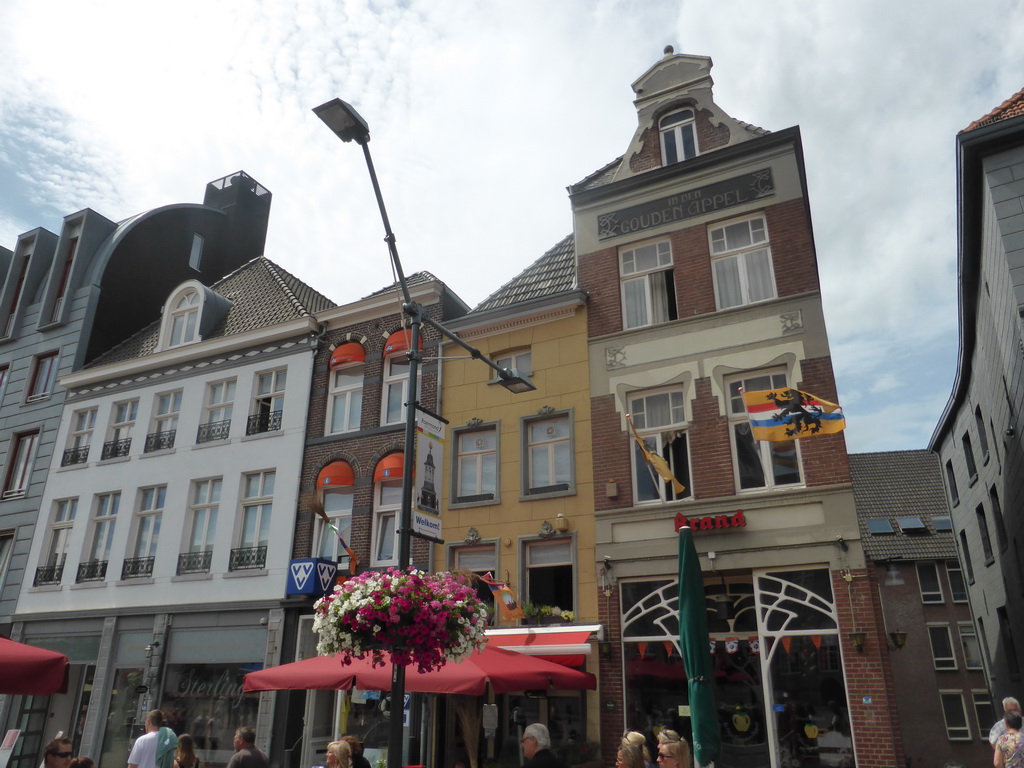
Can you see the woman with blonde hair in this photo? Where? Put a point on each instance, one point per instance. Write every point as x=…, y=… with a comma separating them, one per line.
x=185, y=755
x=629, y=756
x=339, y=754
x=673, y=752
x=637, y=739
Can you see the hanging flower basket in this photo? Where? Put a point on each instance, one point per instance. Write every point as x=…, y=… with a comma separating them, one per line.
x=406, y=617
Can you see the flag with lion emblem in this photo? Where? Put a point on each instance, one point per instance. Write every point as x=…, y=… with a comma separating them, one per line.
x=789, y=414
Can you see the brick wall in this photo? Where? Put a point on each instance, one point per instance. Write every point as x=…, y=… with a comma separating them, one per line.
x=710, y=136
x=824, y=457
x=610, y=678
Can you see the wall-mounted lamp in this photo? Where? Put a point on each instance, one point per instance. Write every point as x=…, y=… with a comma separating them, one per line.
x=858, y=638
x=561, y=523
x=724, y=607
x=609, y=704
x=151, y=648
x=899, y=639
x=841, y=542
x=605, y=649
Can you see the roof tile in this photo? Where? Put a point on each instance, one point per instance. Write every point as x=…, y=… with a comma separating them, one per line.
x=554, y=272
x=1012, y=107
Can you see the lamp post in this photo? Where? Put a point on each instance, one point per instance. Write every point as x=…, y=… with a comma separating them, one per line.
x=348, y=125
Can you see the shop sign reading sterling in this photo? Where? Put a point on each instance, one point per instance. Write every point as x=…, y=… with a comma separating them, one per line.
x=687, y=205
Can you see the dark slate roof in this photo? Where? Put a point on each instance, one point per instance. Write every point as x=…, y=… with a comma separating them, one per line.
x=901, y=484
x=1012, y=107
x=417, y=278
x=554, y=272
x=261, y=294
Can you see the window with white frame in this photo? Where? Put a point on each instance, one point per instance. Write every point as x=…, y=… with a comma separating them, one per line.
x=202, y=526
x=147, y=524
x=659, y=417
x=101, y=537
x=254, y=532
x=678, y=136
x=396, y=389
x=520, y=360
x=338, y=504
x=184, y=321
x=387, y=503
x=928, y=581
x=119, y=433
x=957, y=585
x=56, y=552
x=942, y=646
x=345, y=407
x=759, y=464
x=21, y=456
x=80, y=437
x=955, y=715
x=648, y=291
x=984, y=712
x=220, y=401
x=970, y=644
x=44, y=376
x=166, y=410
x=549, y=574
x=479, y=560
x=6, y=548
x=476, y=465
x=741, y=261
x=548, y=463
x=268, y=403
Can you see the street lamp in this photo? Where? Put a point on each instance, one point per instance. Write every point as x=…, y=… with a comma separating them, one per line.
x=349, y=125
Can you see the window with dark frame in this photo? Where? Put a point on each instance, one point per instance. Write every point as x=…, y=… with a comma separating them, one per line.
x=954, y=494
x=986, y=540
x=20, y=460
x=979, y=422
x=43, y=378
x=972, y=468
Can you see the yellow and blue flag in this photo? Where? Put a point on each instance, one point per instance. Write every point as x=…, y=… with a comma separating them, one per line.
x=789, y=414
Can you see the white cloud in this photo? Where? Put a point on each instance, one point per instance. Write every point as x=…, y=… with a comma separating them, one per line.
x=482, y=113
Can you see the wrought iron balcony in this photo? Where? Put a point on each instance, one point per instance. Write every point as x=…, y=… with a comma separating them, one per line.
x=48, y=574
x=245, y=558
x=214, y=430
x=159, y=441
x=78, y=455
x=92, y=570
x=137, y=567
x=113, y=449
x=263, y=422
x=194, y=562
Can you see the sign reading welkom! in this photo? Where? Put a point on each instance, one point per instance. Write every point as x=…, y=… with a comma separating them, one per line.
x=711, y=522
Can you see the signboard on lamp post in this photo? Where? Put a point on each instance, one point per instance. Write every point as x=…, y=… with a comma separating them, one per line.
x=426, y=514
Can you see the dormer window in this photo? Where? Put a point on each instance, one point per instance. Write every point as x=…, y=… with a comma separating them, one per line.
x=678, y=136
x=184, y=319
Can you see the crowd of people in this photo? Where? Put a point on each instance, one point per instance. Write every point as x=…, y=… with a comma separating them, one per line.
x=1005, y=737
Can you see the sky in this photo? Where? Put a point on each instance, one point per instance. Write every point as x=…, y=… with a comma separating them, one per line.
x=482, y=113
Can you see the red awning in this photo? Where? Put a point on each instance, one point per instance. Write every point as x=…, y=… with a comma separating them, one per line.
x=563, y=645
x=337, y=474
x=390, y=467
x=352, y=352
x=399, y=341
x=30, y=671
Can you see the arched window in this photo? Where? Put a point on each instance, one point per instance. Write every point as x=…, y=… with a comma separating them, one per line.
x=335, y=485
x=678, y=136
x=387, y=504
x=184, y=321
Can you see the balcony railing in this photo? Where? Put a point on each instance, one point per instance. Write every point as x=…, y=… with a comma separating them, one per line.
x=93, y=570
x=246, y=558
x=159, y=441
x=137, y=567
x=194, y=562
x=78, y=455
x=263, y=422
x=113, y=449
x=48, y=574
x=214, y=430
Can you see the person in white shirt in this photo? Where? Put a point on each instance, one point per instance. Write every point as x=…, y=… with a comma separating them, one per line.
x=143, y=753
x=1010, y=706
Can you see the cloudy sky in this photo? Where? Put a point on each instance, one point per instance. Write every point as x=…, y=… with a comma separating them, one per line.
x=481, y=114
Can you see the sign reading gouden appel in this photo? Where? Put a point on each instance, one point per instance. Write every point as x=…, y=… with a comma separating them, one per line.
x=687, y=205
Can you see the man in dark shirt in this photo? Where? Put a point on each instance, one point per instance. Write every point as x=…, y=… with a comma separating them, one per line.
x=537, y=748
x=246, y=755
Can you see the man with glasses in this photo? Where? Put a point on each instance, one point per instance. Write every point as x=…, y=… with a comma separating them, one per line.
x=57, y=754
x=536, y=745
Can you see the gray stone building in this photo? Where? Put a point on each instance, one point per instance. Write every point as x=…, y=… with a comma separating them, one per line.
x=978, y=437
